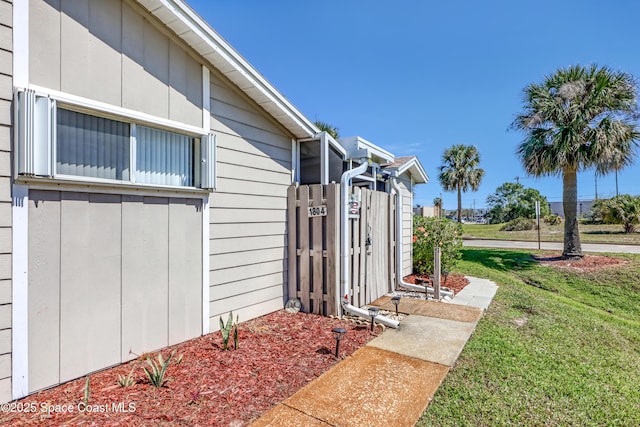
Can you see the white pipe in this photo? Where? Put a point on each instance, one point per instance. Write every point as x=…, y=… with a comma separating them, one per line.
x=400, y=282
x=365, y=313
x=345, y=182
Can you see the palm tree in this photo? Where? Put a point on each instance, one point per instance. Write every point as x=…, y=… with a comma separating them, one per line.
x=577, y=118
x=326, y=127
x=460, y=171
x=437, y=203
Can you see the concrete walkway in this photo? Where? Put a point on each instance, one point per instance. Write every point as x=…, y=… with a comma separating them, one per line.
x=392, y=379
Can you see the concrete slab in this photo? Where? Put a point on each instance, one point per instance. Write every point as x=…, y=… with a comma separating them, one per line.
x=427, y=308
x=427, y=338
x=478, y=293
x=283, y=415
x=372, y=387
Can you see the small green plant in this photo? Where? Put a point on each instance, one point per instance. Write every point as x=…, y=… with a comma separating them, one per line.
x=519, y=224
x=127, y=381
x=552, y=219
x=157, y=369
x=225, y=330
x=87, y=392
x=179, y=359
x=431, y=232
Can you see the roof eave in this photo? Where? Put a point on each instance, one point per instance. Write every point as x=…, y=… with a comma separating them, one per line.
x=414, y=167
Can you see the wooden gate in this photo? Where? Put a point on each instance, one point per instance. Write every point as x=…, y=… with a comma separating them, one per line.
x=314, y=247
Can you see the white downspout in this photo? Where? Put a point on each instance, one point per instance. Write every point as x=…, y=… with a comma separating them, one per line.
x=345, y=182
x=399, y=281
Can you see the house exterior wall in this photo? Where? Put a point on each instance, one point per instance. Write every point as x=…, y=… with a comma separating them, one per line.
x=127, y=261
x=406, y=186
x=6, y=94
x=98, y=262
x=248, y=232
x=109, y=51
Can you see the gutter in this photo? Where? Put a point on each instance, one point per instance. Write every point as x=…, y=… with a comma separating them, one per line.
x=345, y=182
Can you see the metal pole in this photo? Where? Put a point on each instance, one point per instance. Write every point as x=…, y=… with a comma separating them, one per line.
x=436, y=273
x=538, y=220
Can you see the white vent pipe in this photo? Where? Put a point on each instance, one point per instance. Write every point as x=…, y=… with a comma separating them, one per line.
x=345, y=183
x=399, y=280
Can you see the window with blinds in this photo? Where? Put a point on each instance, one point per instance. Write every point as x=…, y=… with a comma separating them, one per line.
x=62, y=142
x=164, y=158
x=92, y=146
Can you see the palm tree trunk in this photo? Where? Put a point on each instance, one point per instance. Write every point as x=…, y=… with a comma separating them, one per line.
x=572, y=246
x=459, y=204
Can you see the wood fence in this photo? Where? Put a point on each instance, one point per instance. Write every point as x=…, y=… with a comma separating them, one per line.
x=314, y=247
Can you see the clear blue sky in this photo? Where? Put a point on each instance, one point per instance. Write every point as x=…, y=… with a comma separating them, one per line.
x=416, y=77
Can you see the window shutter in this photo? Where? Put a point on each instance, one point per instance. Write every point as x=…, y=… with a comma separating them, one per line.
x=208, y=161
x=35, y=133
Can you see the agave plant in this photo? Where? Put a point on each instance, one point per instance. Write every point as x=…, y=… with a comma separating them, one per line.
x=225, y=330
x=127, y=381
x=158, y=369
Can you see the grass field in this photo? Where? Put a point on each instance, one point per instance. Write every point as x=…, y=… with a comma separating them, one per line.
x=588, y=233
x=554, y=348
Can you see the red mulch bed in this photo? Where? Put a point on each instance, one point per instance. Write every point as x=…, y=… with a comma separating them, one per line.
x=588, y=263
x=279, y=353
x=455, y=282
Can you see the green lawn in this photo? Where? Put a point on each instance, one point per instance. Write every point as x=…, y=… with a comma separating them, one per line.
x=554, y=348
x=588, y=233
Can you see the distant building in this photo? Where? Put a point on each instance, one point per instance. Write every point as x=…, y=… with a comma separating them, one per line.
x=429, y=211
x=584, y=206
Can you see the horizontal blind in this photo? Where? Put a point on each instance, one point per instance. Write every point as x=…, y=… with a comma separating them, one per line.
x=92, y=146
x=164, y=158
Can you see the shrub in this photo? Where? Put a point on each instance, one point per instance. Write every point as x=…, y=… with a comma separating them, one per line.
x=519, y=224
x=431, y=232
x=552, y=219
x=623, y=209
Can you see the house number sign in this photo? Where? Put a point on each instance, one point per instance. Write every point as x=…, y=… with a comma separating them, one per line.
x=317, y=211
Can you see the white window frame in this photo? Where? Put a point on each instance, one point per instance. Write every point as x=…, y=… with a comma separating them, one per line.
x=32, y=162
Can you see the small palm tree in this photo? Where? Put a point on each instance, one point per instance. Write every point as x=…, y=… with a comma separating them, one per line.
x=623, y=209
x=460, y=171
x=437, y=203
x=326, y=127
x=577, y=118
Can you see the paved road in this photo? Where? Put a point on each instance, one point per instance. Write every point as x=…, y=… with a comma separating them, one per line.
x=586, y=247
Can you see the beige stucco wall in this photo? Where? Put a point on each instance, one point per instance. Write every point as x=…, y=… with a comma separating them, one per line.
x=248, y=209
x=6, y=93
x=110, y=51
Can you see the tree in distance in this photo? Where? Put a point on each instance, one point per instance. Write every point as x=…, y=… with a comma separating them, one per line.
x=577, y=118
x=326, y=127
x=460, y=172
x=512, y=200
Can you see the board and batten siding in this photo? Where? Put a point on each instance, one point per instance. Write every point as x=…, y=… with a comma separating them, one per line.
x=6, y=94
x=248, y=210
x=111, y=51
x=406, y=186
